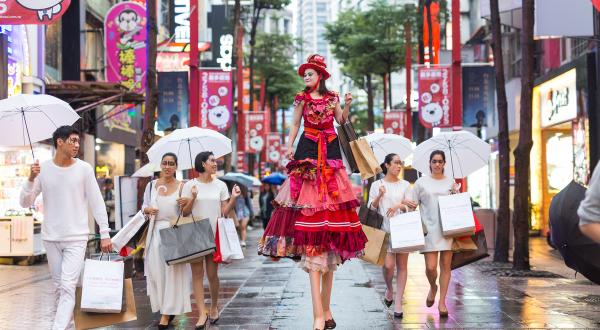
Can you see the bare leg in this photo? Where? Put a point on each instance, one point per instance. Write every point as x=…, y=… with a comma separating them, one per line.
x=198, y=287
x=401, y=277
x=243, y=228
x=327, y=285
x=164, y=319
x=388, y=275
x=213, y=283
x=315, y=290
x=445, y=273
x=431, y=262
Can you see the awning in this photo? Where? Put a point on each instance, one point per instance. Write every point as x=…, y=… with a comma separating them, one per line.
x=86, y=95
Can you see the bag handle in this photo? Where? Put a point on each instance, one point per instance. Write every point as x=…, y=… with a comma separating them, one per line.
x=181, y=210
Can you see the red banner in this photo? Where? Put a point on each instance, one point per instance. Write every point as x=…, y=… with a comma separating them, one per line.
x=32, y=11
x=242, y=164
x=273, y=147
x=596, y=4
x=435, y=31
x=396, y=122
x=216, y=99
x=435, y=97
x=255, y=131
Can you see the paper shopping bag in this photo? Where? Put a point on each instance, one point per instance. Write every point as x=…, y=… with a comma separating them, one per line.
x=365, y=158
x=188, y=242
x=102, y=286
x=406, y=232
x=456, y=214
x=346, y=134
x=128, y=231
x=466, y=257
x=85, y=320
x=229, y=242
x=377, y=245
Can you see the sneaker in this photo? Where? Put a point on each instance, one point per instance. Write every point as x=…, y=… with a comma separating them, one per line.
x=249, y=227
x=243, y=243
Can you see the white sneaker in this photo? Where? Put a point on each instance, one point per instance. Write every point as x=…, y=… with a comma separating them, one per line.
x=249, y=227
x=243, y=243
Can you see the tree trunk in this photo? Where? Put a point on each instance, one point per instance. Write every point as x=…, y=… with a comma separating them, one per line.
x=255, y=17
x=522, y=214
x=420, y=32
x=370, y=113
x=429, y=31
x=385, y=92
x=503, y=231
x=151, y=84
x=273, y=117
x=389, y=83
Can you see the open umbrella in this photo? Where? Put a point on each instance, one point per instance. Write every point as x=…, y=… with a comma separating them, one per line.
x=26, y=118
x=465, y=153
x=147, y=170
x=186, y=143
x=232, y=181
x=384, y=144
x=255, y=182
x=578, y=251
x=239, y=179
x=275, y=178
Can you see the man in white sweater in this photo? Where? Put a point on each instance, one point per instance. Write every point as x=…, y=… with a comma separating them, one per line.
x=589, y=209
x=68, y=186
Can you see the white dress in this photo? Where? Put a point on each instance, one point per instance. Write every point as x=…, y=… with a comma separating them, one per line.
x=426, y=191
x=208, y=200
x=395, y=192
x=169, y=287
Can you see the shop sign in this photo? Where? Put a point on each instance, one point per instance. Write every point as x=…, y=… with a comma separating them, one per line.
x=180, y=26
x=172, y=100
x=19, y=12
x=255, y=131
x=435, y=96
x=18, y=57
x=558, y=99
x=125, y=43
x=216, y=99
x=395, y=122
x=274, y=147
x=169, y=62
x=479, y=97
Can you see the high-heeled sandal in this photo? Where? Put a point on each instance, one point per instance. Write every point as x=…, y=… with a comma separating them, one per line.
x=202, y=326
x=428, y=302
x=443, y=314
x=330, y=324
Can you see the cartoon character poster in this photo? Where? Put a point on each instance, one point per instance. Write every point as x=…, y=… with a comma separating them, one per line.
x=216, y=99
x=32, y=11
x=273, y=147
x=255, y=131
x=125, y=43
x=435, y=96
x=395, y=122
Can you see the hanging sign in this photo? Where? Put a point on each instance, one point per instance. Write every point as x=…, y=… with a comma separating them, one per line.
x=395, y=122
x=274, y=147
x=255, y=131
x=216, y=99
x=18, y=12
x=435, y=96
x=558, y=99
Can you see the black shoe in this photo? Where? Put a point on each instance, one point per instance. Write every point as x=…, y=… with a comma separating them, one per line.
x=215, y=320
x=330, y=324
x=398, y=315
x=171, y=318
x=162, y=326
x=203, y=326
x=388, y=303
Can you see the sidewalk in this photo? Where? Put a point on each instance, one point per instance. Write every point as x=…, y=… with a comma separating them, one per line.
x=259, y=293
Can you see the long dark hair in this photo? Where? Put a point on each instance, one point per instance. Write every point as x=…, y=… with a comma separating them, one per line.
x=202, y=158
x=322, y=89
x=433, y=154
x=387, y=161
x=170, y=154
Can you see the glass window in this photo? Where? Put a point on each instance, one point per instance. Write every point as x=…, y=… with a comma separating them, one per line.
x=53, y=57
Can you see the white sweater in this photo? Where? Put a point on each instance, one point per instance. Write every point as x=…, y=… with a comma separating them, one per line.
x=67, y=192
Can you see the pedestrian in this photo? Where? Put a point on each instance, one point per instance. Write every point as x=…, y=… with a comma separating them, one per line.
x=207, y=198
x=389, y=196
x=425, y=192
x=169, y=287
x=589, y=210
x=266, y=197
x=315, y=219
x=68, y=187
x=243, y=215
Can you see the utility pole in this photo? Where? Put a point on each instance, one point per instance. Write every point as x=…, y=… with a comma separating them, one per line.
x=151, y=84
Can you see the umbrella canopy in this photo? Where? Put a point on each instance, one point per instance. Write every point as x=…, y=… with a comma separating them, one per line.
x=186, y=143
x=26, y=118
x=147, y=170
x=578, y=251
x=384, y=144
x=253, y=181
x=231, y=181
x=275, y=178
x=465, y=153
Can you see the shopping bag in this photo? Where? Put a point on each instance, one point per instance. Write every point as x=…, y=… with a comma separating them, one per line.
x=456, y=214
x=84, y=320
x=365, y=158
x=377, y=245
x=370, y=216
x=217, y=255
x=188, y=242
x=346, y=134
x=229, y=243
x=102, y=286
x=124, y=236
x=466, y=257
x=406, y=232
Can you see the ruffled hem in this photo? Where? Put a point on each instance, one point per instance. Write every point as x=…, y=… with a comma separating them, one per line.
x=322, y=263
x=278, y=247
x=335, y=221
x=347, y=245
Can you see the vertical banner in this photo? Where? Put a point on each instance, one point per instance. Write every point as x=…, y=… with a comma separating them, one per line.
x=432, y=56
x=32, y=11
x=216, y=99
x=242, y=164
x=396, y=122
x=273, y=147
x=172, y=100
x=435, y=96
x=284, y=160
x=17, y=58
x=125, y=38
x=479, y=101
x=255, y=131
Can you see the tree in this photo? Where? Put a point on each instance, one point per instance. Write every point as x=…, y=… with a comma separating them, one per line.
x=522, y=213
x=503, y=231
x=258, y=7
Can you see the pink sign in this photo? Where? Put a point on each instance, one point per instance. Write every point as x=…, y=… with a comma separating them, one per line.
x=273, y=147
x=255, y=131
x=216, y=99
x=125, y=43
x=395, y=122
x=435, y=97
x=32, y=11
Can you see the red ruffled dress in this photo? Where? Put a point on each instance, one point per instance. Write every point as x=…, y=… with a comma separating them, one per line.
x=315, y=217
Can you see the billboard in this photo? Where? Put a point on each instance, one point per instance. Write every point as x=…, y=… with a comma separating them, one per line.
x=173, y=102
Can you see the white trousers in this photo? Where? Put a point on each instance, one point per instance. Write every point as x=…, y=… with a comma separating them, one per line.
x=65, y=260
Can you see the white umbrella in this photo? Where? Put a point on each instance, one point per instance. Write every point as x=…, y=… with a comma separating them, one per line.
x=186, y=143
x=465, y=153
x=384, y=144
x=26, y=118
x=146, y=171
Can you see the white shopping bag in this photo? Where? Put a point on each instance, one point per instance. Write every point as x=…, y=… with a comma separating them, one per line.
x=228, y=241
x=102, y=287
x=128, y=231
x=456, y=214
x=406, y=232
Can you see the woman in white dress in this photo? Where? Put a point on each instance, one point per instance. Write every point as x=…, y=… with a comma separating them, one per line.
x=426, y=191
x=169, y=287
x=389, y=196
x=207, y=197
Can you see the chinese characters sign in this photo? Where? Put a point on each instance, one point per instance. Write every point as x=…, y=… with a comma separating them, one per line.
x=273, y=147
x=172, y=100
x=395, y=122
x=435, y=97
x=255, y=131
x=32, y=11
x=216, y=99
x=125, y=42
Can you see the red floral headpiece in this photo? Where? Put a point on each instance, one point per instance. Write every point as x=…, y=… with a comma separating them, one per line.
x=317, y=63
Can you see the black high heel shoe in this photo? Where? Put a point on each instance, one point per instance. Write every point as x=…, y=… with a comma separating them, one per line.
x=166, y=326
x=202, y=326
x=398, y=315
x=330, y=324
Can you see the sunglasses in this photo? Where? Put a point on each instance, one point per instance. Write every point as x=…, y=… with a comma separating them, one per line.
x=169, y=163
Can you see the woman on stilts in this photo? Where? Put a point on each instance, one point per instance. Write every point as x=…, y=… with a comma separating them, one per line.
x=315, y=217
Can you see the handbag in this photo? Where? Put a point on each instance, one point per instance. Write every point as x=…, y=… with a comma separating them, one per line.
x=102, y=286
x=365, y=158
x=370, y=217
x=188, y=242
x=346, y=134
x=468, y=256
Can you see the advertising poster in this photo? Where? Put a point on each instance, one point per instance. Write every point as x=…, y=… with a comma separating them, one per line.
x=18, y=12
x=255, y=131
x=435, y=96
x=216, y=99
x=273, y=147
x=479, y=97
x=395, y=122
x=173, y=106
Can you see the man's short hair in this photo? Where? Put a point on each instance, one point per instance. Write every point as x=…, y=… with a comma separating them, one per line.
x=63, y=133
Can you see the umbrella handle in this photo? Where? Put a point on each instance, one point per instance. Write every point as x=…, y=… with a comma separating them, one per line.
x=27, y=130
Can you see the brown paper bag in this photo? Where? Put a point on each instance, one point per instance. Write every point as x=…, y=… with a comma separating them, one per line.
x=365, y=158
x=85, y=320
x=377, y=245
x=346, y=134
x=460, y=244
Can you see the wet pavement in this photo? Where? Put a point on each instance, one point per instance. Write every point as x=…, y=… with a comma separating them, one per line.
x=259, y=293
